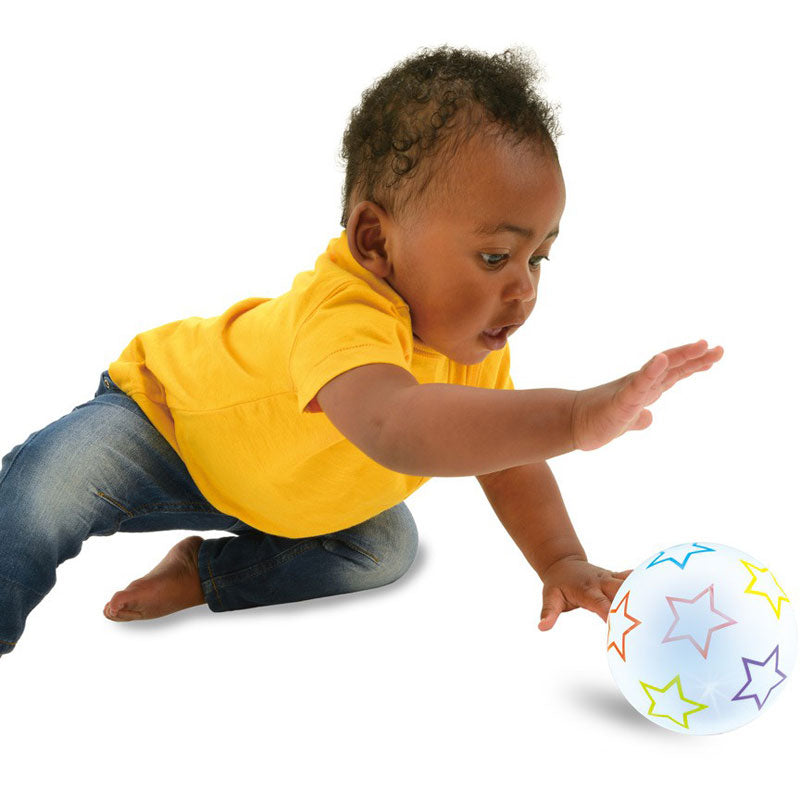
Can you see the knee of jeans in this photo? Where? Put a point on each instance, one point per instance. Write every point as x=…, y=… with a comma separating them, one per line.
x=49, y=494
x=63, y=510
x=400, y=541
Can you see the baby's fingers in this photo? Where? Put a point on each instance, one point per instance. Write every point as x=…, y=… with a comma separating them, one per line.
x=596, y=600
x=690, y=367
x=686, y=352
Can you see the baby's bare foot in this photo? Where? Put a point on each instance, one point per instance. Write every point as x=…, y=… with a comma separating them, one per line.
x=173, y=584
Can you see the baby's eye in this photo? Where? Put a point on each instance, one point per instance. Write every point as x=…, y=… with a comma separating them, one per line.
x=535, y=262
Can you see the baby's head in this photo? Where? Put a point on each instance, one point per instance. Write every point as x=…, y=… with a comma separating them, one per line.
x=453, y=192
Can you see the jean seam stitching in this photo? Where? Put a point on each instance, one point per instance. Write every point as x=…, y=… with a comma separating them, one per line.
x=358, y=549
x=214, y=584
x=173, y=508
x=264, y=566
x=113, y=502
x=170, y=508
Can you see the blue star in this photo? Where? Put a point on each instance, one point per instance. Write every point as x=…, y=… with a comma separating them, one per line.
x=680, y=555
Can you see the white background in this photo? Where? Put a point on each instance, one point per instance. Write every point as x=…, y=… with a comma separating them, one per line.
x=160, y=160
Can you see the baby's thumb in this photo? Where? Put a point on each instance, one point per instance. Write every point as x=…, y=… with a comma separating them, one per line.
x=642, y=421
x=550, y=612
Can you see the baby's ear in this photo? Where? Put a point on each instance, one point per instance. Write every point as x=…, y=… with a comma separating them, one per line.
x=366, y=238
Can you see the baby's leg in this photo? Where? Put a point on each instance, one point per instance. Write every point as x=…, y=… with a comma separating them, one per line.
x=257, y=569
x=101, y=468
x=260, y=569
x=104, y=467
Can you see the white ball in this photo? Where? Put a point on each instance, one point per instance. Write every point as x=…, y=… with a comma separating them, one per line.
x=701, y=638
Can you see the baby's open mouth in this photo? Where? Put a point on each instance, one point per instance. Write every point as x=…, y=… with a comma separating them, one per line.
x=495, y=338
x=505, y=329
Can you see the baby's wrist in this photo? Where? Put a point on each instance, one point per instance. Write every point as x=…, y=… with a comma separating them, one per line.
x=559, y=560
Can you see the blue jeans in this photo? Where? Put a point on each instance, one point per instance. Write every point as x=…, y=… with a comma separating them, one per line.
x=104, y=468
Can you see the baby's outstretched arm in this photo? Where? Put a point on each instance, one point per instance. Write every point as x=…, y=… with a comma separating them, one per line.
x=442, y=429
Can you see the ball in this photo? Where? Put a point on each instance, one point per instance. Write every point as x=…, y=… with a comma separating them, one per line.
x=701, y=638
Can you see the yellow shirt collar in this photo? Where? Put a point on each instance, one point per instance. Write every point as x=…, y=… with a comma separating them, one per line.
x=338, y=251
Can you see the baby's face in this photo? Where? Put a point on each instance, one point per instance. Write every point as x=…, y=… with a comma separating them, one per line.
x=459, y=265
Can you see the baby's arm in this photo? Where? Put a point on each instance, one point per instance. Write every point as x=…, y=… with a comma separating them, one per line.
x=528, y=503
x=439, y=429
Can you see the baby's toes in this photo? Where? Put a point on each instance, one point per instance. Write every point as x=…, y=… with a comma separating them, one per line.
x=119, y=608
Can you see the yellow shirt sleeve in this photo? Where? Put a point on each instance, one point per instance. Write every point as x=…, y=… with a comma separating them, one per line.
x=351, y=327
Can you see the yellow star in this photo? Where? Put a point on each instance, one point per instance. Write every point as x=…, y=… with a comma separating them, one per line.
x=768, y=587
x=671, y=697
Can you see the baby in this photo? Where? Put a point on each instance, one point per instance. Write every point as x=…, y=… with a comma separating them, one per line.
x=301, y=423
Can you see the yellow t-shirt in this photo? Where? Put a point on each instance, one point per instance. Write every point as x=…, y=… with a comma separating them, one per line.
x=235, y=396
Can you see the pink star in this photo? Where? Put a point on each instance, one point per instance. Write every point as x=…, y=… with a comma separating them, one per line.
x=709, y=630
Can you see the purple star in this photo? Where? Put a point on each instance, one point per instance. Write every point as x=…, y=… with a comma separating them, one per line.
x=747, y=662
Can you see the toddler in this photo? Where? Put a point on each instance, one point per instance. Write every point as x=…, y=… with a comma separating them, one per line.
x=301, y=423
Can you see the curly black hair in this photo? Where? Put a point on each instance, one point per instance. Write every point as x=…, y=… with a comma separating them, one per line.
x=428, y=105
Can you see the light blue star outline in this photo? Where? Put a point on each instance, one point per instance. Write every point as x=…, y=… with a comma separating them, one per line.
x=659, y=560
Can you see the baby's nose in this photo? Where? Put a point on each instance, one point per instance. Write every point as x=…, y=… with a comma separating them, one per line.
x=524, y=289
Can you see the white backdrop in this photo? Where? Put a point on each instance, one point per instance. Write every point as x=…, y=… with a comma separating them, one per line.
x=160, y=160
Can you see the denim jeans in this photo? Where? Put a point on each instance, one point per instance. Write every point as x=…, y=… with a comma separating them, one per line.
x=104, y=468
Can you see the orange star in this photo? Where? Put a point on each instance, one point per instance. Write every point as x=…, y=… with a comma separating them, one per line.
x=619, y=622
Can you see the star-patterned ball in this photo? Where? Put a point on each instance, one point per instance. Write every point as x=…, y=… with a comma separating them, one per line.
x=701, y=638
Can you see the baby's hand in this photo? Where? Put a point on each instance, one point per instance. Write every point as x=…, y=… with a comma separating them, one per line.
x=573, y=582
x=604, y=412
